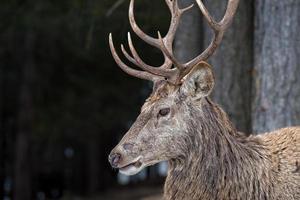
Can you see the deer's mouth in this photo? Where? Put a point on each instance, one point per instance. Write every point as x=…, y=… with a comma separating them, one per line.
x=132, y=168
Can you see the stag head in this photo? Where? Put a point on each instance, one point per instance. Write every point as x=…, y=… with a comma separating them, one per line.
x=161, y=131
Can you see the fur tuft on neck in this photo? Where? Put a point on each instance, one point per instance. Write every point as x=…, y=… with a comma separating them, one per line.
x=218, y=162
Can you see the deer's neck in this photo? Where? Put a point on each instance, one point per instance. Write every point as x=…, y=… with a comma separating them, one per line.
x=221, y=163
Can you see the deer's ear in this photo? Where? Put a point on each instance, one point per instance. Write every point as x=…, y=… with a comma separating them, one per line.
x=199, y=82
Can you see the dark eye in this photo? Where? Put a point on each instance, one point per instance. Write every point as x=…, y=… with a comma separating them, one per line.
x=164, y=111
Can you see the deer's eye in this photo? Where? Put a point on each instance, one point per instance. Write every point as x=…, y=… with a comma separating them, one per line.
x=164, y=111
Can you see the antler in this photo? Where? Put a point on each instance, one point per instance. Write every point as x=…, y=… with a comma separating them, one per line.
x=165, y=44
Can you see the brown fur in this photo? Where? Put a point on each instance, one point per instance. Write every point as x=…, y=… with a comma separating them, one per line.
x=233, y=166
x=208, y=158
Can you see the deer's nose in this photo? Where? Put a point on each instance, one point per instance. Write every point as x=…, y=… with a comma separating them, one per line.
x=114, y=159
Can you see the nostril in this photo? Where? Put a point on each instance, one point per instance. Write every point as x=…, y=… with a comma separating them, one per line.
x=114, y=159
x=128, y=146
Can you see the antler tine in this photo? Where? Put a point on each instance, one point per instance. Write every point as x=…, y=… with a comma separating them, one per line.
x=175, y=16
x=126, y=54
x=230, y=12
x=166, y=43
x=131, y=59
x=150, y=40
x=207, y=16
x=163, y=44
x=176, y=13
x=218, y=28
x=168, y=53
x=153, y=70
x=125, y=68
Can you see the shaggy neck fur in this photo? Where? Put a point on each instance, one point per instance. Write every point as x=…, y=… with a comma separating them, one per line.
x=220, y=163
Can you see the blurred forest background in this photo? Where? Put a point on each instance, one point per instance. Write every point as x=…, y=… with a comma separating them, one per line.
x=64, y=103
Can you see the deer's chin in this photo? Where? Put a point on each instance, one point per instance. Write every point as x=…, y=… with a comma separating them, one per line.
x=130, y=170
x=133, y=168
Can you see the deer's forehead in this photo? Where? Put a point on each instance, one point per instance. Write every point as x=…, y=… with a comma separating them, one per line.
x=159, y=97
x=150, y=104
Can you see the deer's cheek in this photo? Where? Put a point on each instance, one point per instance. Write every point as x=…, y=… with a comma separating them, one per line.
x=156, y=123
x=159, y=122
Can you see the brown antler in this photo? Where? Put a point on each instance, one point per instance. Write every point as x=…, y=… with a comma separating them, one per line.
x=151, y=73
x=165, y=44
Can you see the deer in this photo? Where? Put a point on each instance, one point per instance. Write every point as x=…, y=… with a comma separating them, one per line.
x=179, y=123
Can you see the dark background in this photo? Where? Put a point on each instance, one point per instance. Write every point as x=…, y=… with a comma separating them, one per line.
x=64, y=103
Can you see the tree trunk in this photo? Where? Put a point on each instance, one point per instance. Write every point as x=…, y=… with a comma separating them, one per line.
x=94, y=166
x=233, y=62
x=188, y=40
x=22, y=172
x=277, y=65
x=2, y=136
